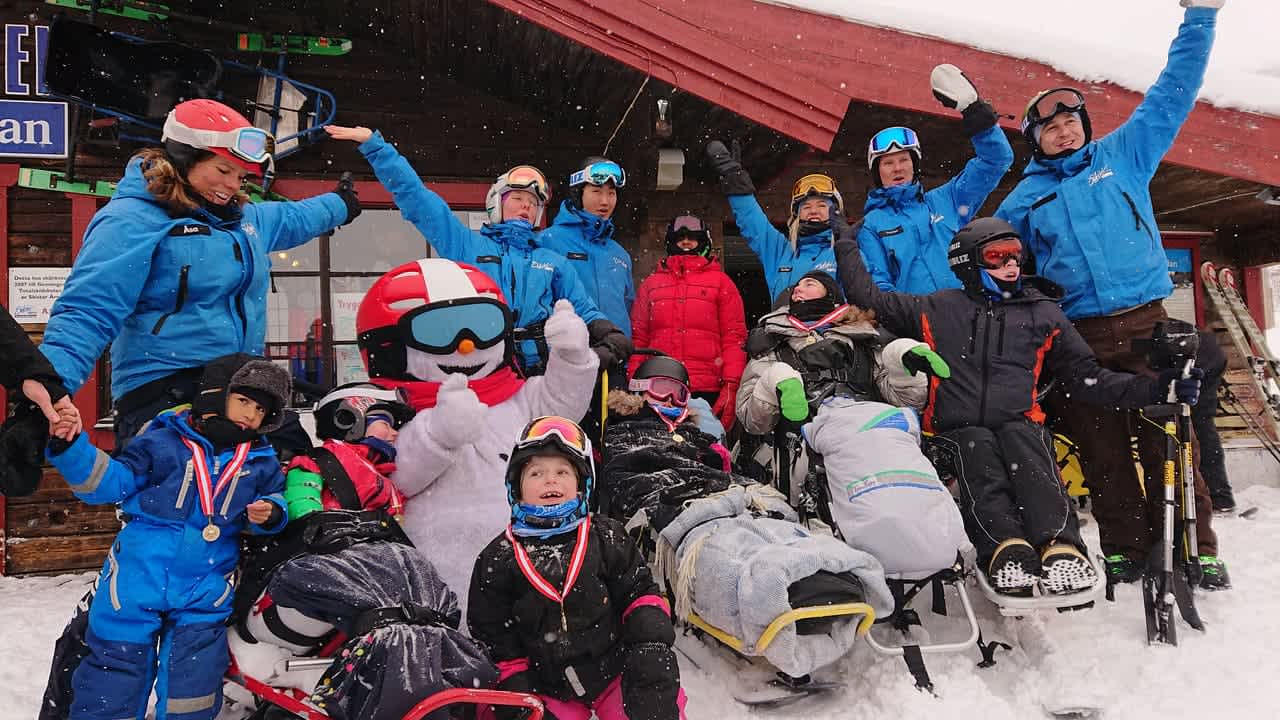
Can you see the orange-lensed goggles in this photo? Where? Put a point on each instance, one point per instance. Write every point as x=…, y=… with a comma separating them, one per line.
x=544, y=428
x=997, y=253
x=527, y=177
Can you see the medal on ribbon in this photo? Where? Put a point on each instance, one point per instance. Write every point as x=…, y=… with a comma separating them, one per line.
x=540, y=583
x=205, y=487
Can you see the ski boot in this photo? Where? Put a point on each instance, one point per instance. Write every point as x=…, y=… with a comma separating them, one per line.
x=1122, y=569
x=1014, y=567
x=1064, y=569
x=1213, y=573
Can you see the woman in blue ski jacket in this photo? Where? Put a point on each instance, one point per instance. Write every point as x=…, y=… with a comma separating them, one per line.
x=583, y=233
x=175, y=269
x=531, y=278
x=906, y=231
x=807, y=244
x=1084, y=208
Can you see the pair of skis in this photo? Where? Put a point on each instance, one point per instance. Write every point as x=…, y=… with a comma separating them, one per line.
x=1249, y=341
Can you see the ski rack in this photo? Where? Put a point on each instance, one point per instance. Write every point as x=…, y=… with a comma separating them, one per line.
x=1248, y=340
x=54, y=181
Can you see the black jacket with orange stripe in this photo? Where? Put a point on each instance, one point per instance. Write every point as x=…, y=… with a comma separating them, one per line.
x=998, y=351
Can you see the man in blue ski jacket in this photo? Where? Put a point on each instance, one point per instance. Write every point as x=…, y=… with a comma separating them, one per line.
x=1084, y=207
x=906, y=231
x=531, y=278
x=188, y=486
x=583, y=233
x=807, y=244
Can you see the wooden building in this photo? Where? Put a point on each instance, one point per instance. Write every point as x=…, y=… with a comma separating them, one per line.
x=466, y=89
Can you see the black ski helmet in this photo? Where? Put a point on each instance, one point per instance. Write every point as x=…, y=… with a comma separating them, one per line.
x=662, y=366
x=341, y=414
x=541, y=437
x=963, y=254
x=1060, y=100
x=692, y=227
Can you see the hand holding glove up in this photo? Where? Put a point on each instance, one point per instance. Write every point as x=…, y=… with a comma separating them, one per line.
x=610, y=344
x=565, y=332
x=458, y=416
x=1185, y=389
x=922, y=359
x=347, y=192
x=955, y=90
x=725, y=406
x=734, y=180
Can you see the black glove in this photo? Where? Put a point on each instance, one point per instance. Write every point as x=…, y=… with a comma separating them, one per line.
x=609, y=343
x=734, y=180
x=347, y=192
x=1186, y=390
x=650, y=682
x=22, y=442
x=978, y=117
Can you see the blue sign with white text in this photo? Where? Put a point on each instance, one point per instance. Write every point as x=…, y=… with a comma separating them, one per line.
x=30, y=128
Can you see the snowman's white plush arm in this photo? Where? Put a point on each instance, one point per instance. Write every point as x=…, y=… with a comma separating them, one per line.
x=430, y=442
x=565, y=389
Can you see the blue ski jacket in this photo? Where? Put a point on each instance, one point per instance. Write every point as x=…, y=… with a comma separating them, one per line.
x=1088, y=217
x=531, y=278
x=906, y=231
x=784, y=265
x=171, y=293
x=154, y=485
x=602, y=265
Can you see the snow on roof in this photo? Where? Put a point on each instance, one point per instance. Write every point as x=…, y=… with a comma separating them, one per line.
x=1124, y=42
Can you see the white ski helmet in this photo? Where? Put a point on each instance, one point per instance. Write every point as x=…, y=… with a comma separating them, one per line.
x=520, y=177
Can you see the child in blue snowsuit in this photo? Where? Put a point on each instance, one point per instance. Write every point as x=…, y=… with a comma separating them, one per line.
x=532, y=278
x=188, y=485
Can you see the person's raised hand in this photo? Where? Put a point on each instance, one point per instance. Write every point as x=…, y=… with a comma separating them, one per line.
x=357, y=134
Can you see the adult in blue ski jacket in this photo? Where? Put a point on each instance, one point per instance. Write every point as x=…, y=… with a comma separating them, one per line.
x=175, y=269
x=1084, y=208
x=807, y=244
x=906, y=231
x=583, y=233
x=170, y=574
x=531, y=278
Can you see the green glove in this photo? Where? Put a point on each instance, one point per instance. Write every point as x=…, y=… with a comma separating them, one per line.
x=795, y=407
x=922, y=359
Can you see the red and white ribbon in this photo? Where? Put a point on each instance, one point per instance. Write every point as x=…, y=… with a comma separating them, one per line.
x=824, y=320
x=575, y=565
x=204, y=482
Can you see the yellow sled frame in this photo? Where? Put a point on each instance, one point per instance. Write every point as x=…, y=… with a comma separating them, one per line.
x=867, y=612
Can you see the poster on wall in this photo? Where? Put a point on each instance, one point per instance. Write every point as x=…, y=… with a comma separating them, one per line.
x=349, y=365
x=1182, y=303
x=32, y=291
x=345, y=306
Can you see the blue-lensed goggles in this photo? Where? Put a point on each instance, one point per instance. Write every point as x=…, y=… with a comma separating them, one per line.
x=438, y=328
x=894, y=138
x=253, y=144
x=599, y=173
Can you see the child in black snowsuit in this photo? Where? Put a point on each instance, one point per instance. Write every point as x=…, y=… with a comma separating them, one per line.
x=998, y=334
x=564, y=599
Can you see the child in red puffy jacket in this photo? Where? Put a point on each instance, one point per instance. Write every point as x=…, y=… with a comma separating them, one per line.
x=690, y=309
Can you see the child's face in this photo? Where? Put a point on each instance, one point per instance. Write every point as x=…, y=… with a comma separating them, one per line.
x=548, y=480
x=244, y=411
x=381, y=429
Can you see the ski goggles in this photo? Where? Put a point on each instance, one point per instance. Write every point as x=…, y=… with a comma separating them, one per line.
x=662, y=389
x=891, y=140
x=439, y=328
x=529, y=178
x=553, y=428
x=815, y=184
x=599, y=173
x=997, y=253
x=689, y=226
x=1052, y=102
x=251, y=144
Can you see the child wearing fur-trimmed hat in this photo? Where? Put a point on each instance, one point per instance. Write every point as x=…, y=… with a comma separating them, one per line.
x=188, y=485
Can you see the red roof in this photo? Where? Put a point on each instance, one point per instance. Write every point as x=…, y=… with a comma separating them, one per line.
x=796, y=71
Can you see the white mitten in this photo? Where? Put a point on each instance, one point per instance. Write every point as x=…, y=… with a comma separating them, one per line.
x=952, y=87
x=1204, y=3
x=458, y=416
x=565, y=331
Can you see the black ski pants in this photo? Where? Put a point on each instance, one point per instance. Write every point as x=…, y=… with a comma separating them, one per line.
x=1010, y=487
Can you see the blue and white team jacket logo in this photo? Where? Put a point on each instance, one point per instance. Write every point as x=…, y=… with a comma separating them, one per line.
x=1098, y=176
x=249, y=229
x=935, y=219
x=542, y=266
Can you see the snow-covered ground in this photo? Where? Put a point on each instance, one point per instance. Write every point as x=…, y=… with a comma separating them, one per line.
x=1102, y=657
x=1125, y=42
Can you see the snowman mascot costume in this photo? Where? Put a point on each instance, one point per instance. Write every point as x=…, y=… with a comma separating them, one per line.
x=442, y=332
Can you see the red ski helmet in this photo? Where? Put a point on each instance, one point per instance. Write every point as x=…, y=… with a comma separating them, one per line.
x=432, y=305
x=209, y=125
